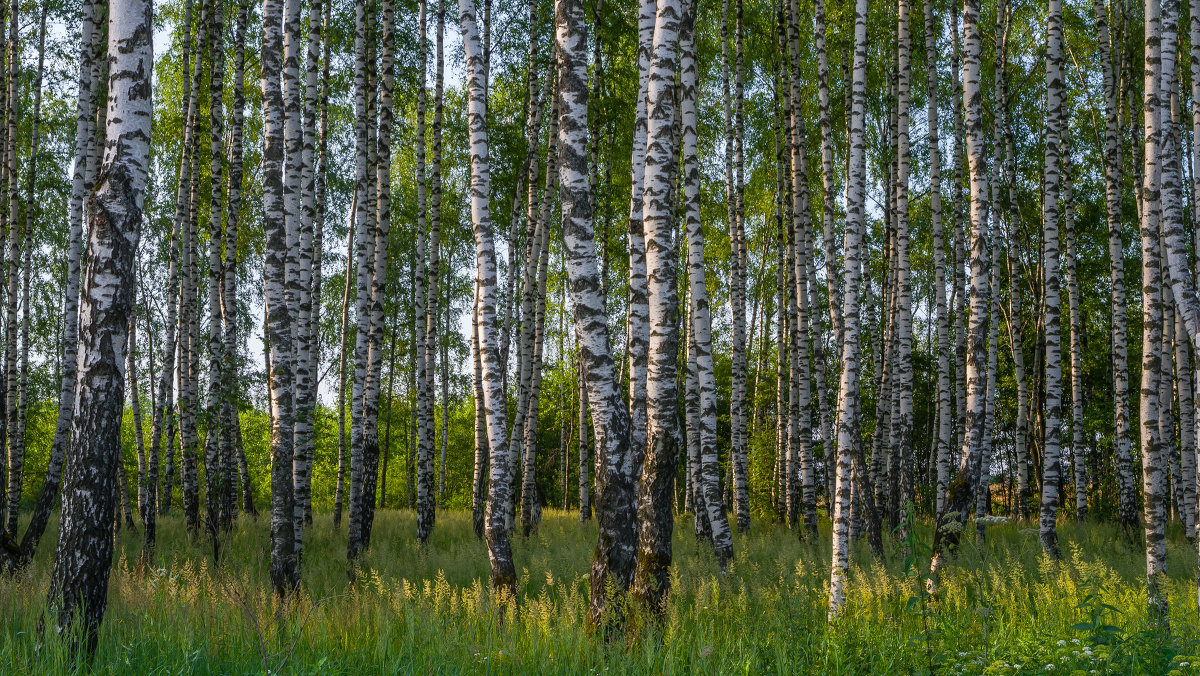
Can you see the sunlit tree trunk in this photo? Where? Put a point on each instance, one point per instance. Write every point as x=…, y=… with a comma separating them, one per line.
x=961, y=492
x=848, y=395
x=1154, y=480
x=216, y=433
x=637, y=334
x=285, y=562
x=79, y=579
x=943, y=420
x=701, y=346
x=735, y=214
x=1052, y=451
x=613, y=562
x=493, y=400
x=1126, y=492
x=656, y=492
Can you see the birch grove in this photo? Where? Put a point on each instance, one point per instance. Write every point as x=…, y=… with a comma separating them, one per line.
x=871, y=283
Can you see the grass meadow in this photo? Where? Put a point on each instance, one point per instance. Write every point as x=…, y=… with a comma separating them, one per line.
x=1002, y=608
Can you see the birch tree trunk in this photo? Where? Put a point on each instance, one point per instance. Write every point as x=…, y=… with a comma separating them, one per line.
x=801, y=220
x=613, y=562
x=229, y=287
x=81, y=181
x=651, y=580
x=365, y=258
x=943, y=419
x=79, y=580
x=737, y=293
x=1153, y=460
x=493, y=400
x=637, y=322
x=285, y=561
x=961, y=492
x=700, y=322
x=425, y=495
x=848, y=395
x=1055, y=118
x=1126, y=493
x=217, y=434
x=1078, y=444
x=903, y=441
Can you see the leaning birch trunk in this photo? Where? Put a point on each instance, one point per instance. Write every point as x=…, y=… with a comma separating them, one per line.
x=18, y=452
x=848, y=395
x=285, y=563
x=81, y=182
x=499, y=484
x=961, y=492
x=701, y=324
x=339, y=497
x=1052, y=444
x=613, y=562
x=79, y=580
x=655, y=518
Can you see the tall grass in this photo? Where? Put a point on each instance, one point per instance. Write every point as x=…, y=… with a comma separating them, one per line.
x=1001, y=608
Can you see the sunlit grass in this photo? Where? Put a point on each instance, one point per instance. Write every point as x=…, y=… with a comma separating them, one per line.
x=1002, y=608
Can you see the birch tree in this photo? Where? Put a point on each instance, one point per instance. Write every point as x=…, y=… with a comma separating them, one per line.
x=961, y=492
x=79, y=579
x=655, y=518
x=285, y=562
x=1052, y=450
x=700, y=322
x=493, y=400
x=848, y=394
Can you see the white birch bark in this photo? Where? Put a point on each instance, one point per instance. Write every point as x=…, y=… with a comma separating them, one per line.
x=637, y=336
x=651, y=580
x=1153, y=461
x=961, y=492
x=493, y=401
x=1052, y=402
x=285, y=562
x=79, y=580
x=848, y=395
x=701, y=348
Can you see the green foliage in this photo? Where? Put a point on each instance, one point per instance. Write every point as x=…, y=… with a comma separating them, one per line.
x=421, y=610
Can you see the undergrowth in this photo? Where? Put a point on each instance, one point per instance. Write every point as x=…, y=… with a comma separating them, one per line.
x=1001, y=607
